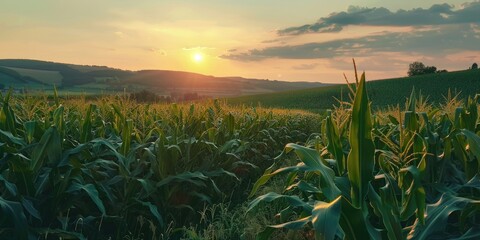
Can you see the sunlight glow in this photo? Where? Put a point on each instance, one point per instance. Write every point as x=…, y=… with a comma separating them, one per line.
x=197, y=57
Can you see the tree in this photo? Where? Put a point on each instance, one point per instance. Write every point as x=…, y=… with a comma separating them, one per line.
x=418, y=68
x=429, y=69
x=474, y=66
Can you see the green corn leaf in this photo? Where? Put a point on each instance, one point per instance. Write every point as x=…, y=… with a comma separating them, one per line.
x=28, y=205
x=42, y=181
x=154, y=211
x=59, y=121
x=91, y=192
x=304, y=187
x=293, y=201
x=355, y=224
x=325, y=219
x=30, y=127
x=7, y=116
x=389, y=216
x=414, y=201
x=473, y=145
x=8, y=137
x=126, y=137
x=196, y=178
x=11, y=188
x=268, y=175
x=294, y=225
x=86, y=133
x=50, y=145
x=438, y=215
x=473, y=142
x=412, y=101
x=12, y=216
x=334, y=145
x=55, y=96
x=361, y=157
x=312, y=159
x=230, y=123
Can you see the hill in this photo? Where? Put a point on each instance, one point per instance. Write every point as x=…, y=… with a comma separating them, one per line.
x=70, y=76
x=382, y=92
x=34, y=74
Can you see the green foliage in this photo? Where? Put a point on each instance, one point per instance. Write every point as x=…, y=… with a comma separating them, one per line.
x=418, y=68
x=474, y=66
x=382, y=93
x=412, y=177
x=113, y=168
x=361, y=157
x=71, y=169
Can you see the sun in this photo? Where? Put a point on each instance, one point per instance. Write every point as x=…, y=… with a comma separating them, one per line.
x=197, y=57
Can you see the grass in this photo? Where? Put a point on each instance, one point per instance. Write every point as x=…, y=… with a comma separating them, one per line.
x=383, y=93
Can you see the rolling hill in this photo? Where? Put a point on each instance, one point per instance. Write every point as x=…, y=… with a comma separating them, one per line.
x=382, y=93
x=34, y=74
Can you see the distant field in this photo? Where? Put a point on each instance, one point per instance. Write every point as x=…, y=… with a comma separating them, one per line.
x=44, y=76
x=88, y=79
x=382, y=92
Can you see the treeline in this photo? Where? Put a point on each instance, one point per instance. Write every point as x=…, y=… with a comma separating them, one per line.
x=418, y=68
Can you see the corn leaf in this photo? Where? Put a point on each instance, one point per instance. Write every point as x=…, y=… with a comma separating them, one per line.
x=361, y=157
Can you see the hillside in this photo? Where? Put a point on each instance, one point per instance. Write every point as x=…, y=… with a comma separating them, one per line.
x=382, y=92
x=34, y=74
x=70, y=76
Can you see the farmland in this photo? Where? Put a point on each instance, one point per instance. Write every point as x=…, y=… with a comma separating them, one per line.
x=113, y=168
x=71, y=79
x=111, y=162
x=239, y=120
x=383, y=93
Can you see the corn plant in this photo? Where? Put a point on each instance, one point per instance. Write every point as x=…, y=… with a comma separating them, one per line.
x=110, y=168
x=404, y=178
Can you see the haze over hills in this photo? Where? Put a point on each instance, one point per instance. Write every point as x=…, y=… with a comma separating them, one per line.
x=38, y=75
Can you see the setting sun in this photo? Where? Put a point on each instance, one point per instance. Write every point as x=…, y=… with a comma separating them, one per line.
x=169, y=119
x=197, y=57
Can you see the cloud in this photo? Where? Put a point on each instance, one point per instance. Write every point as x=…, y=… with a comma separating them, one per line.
x=273, y=41
x=438, y=14
x=306, y=66
x=155, y=50
x=436, y=41
x=197, y=48
x=119, y=34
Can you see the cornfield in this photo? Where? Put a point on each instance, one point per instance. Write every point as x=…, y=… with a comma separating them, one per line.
x=381, y=176
x=112, y=168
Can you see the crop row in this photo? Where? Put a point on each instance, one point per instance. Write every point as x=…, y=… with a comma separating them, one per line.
x=78, y=169
x=409, y=175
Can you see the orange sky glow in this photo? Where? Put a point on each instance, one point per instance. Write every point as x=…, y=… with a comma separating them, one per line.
x=284, y=40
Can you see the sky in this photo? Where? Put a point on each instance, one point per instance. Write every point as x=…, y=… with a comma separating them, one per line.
x=305, y=40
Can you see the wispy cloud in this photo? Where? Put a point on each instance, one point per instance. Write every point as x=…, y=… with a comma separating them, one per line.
x=306, y=66
x=197, y=48
x=155, y=50
x=438, y=14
